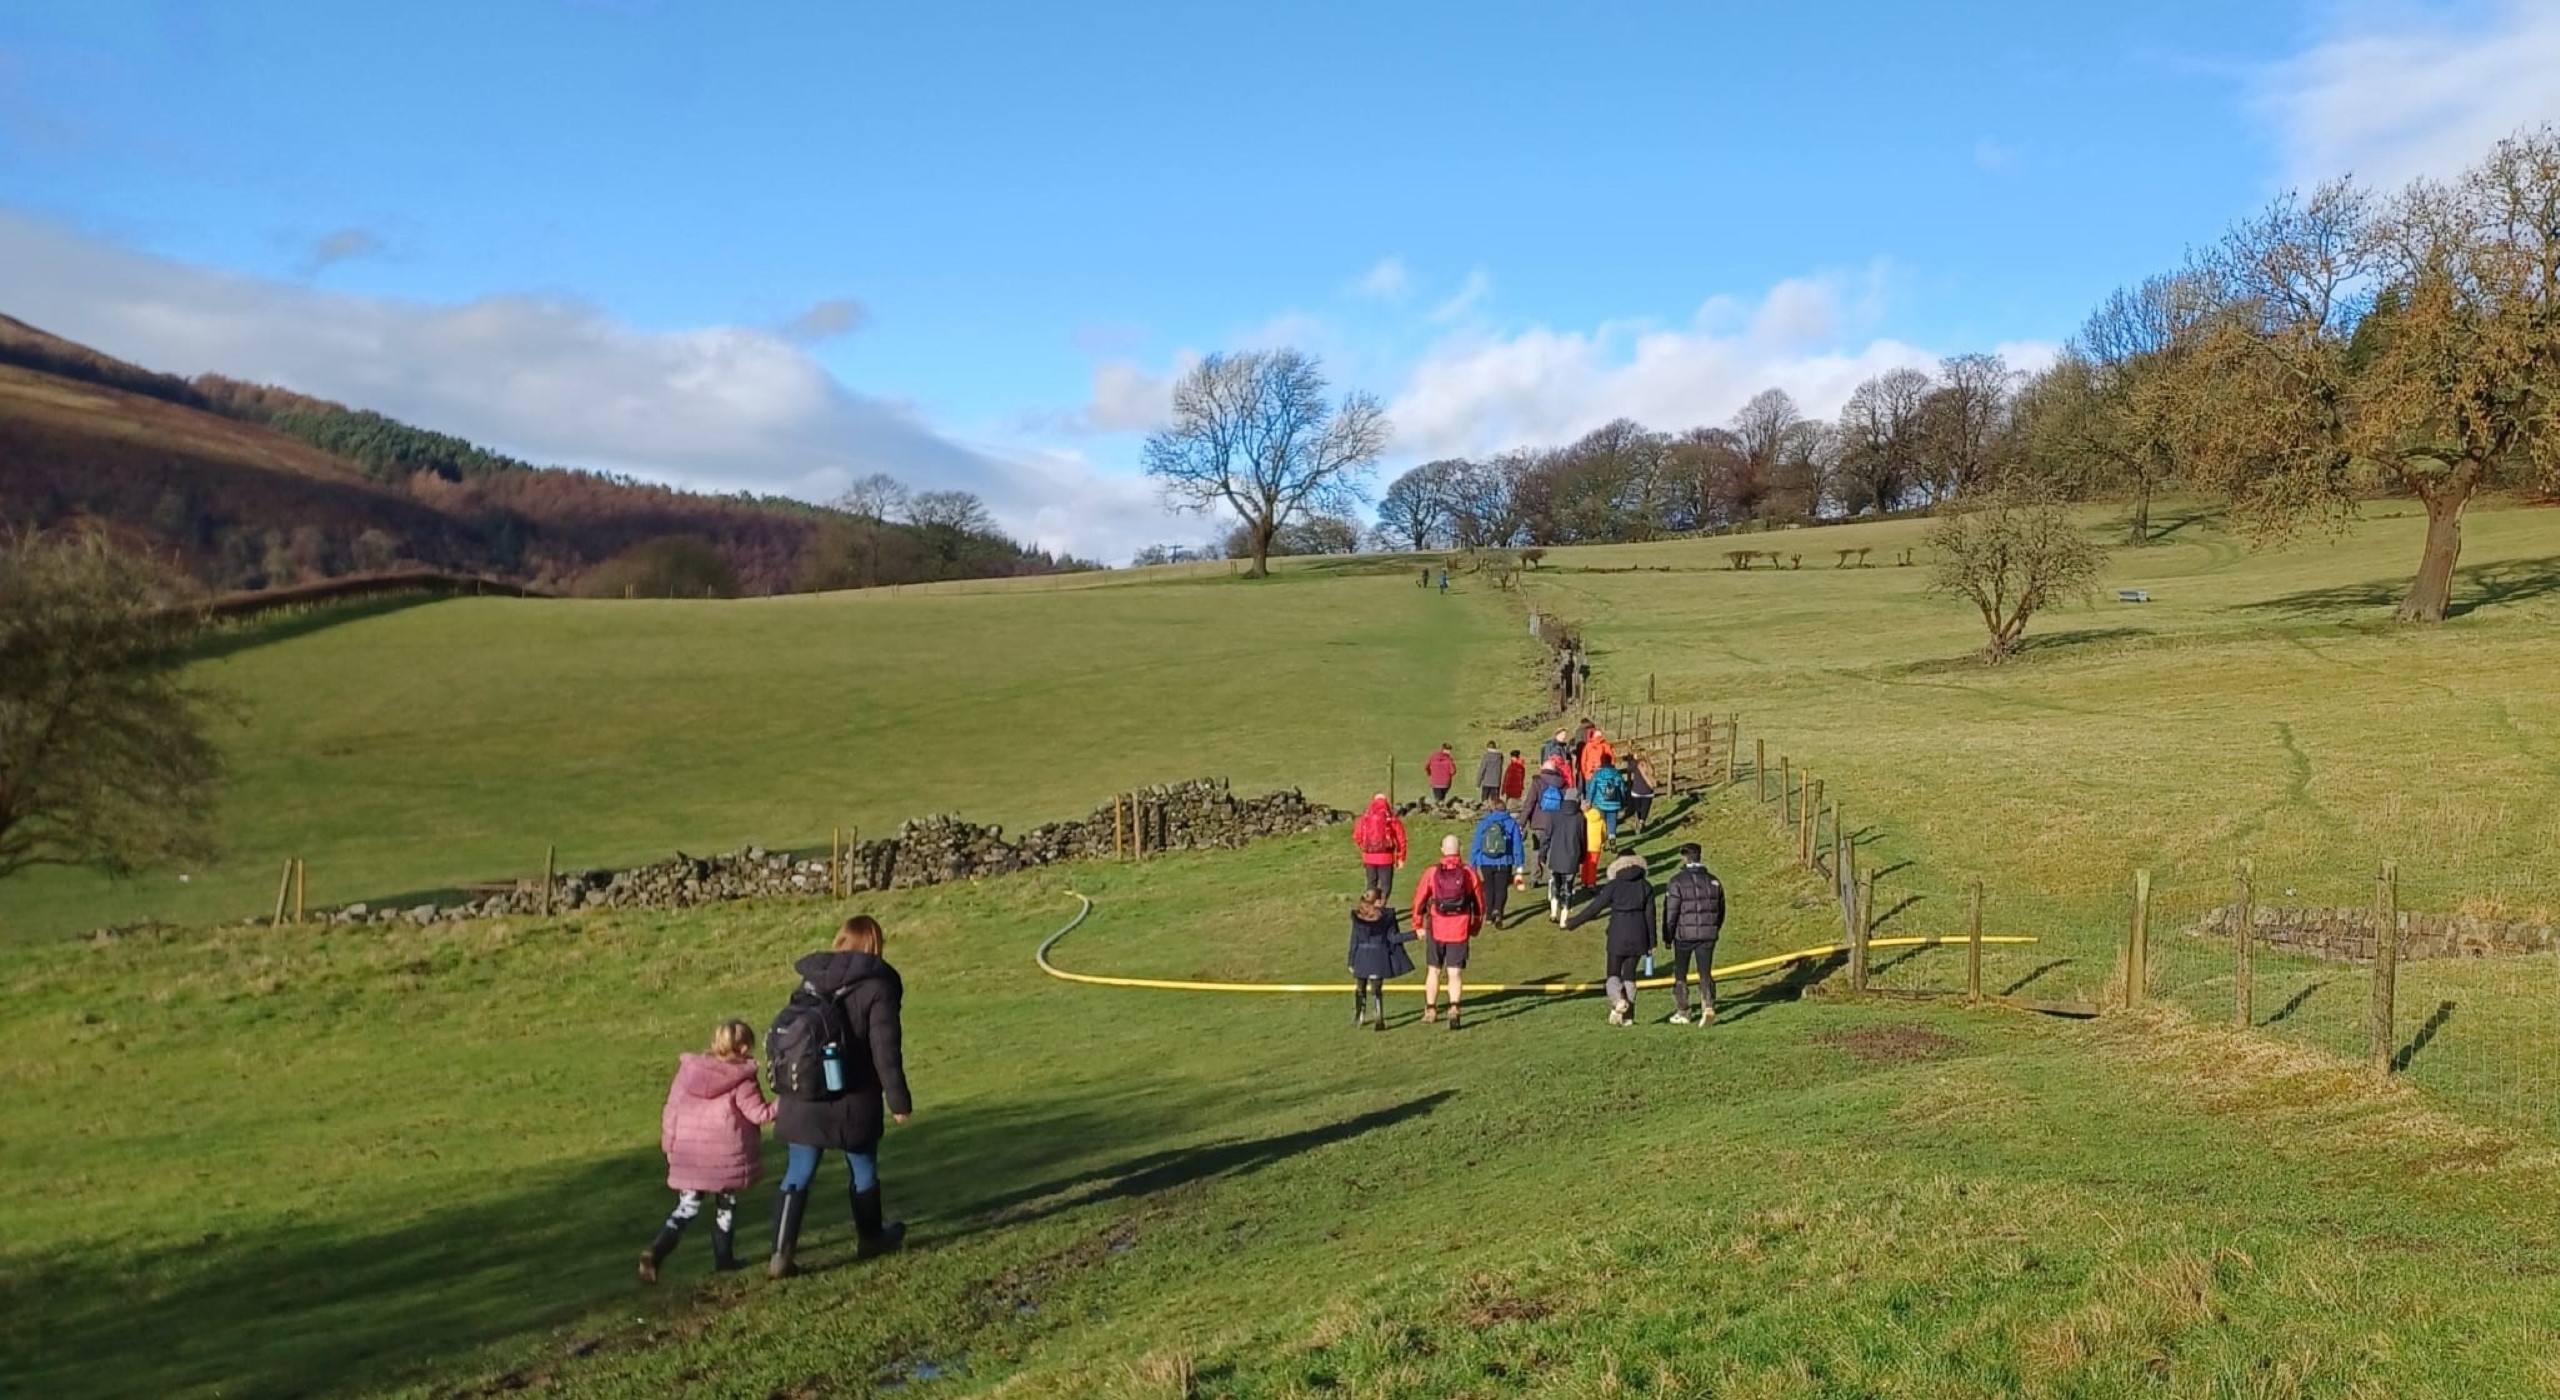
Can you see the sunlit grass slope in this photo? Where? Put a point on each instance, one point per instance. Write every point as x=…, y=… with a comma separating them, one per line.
x=2261, y=705
x=424, y=746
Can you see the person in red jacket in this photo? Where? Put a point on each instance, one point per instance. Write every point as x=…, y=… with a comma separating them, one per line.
x=1448, y=907
x=1442, y=769
x=1379, y=837
x=1515, y=778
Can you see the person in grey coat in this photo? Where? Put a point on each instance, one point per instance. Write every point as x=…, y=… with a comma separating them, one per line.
x=1627, y=898
x=1692, y=920
x=1489, y=772
x=1565, y=844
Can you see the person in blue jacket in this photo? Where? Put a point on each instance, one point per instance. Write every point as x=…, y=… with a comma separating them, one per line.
x=1607, y=790
x=1497, y=851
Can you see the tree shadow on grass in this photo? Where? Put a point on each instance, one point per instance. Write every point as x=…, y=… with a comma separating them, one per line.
x=232, y=638
x=2037, y=643
x=2475, y=586
x=331, y=1301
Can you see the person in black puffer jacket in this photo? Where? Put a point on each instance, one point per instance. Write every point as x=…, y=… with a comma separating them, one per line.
x=1692, y=920
x=1628, y=901
x=855, y=975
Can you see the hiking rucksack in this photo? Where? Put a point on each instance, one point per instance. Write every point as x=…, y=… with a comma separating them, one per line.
x=1493, y=845
x=796, y=1047
x=1374, y=836
x=1607, y=785
x=1449, y=893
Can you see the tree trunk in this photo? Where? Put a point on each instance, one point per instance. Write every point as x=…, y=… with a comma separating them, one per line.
x=2141, y=510
x=1261, y=532
x=2433, y=588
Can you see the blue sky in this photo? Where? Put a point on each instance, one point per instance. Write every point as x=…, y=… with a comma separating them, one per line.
x=770, y=245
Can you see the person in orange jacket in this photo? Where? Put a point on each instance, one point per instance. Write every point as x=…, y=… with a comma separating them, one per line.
x=1448, y=908
x=1595, y=752
x=1379, y=837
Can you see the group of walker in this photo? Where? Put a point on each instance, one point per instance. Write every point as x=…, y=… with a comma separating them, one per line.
x=838, y=1077
x=1583, y=796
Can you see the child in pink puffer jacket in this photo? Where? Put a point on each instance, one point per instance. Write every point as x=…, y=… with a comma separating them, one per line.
x=710, y=1135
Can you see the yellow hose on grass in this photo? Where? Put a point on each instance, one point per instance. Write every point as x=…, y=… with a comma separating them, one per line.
x=1740, y=969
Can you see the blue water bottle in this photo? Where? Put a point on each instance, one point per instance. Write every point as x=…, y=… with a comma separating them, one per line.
x=1648, y=962
x=832, y=1069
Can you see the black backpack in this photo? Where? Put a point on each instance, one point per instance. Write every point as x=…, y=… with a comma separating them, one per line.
x=796, y=1047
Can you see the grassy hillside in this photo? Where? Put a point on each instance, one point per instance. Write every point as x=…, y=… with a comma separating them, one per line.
x=424, y=746
x=421, y=1163
x=2262, y=705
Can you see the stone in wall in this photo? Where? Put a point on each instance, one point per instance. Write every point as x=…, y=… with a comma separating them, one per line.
x=2346, y=935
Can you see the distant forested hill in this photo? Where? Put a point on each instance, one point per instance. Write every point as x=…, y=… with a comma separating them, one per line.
x=249, y=486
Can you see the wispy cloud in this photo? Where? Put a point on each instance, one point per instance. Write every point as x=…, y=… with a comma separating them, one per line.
x=2387, y=96
x=1995, y=156
x=330, y=249
x=1387, y=280
x=825, y=321
x=1466, y=299
x=553, y=380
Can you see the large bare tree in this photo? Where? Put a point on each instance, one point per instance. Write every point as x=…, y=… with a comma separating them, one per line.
x=1255, y=433
x=1416, y=508
x=1880, y=438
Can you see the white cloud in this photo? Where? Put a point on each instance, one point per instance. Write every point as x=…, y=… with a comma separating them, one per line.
x=2390, y=98
x=1469, y=295
x=1480, y=393
x=717, y=408
x=1797, y=311
x=1387, y=281
x=1129, y=398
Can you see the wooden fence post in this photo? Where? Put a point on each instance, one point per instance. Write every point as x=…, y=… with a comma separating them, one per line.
x=284, y=887
x=1786, y=791
x=550, y=871
x=1973, y=949
x=1648, y=687
x=1760, y=766
x=1836, y=864
x=1391, y=780
x=835, y=865
x=1138, y=826
x=2137, y=951
x=1806, y=823
x=1732, y=750
x=2383, y=989
x=1119, y=826
x=2244, y=971
x=1672, y=784
x=1864, y=893
x=298, y=889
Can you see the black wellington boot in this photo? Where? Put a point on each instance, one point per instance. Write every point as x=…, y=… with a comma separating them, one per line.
x=877, y=1237
x=657, y=1252
x=787, y=1210
x=724, y=1248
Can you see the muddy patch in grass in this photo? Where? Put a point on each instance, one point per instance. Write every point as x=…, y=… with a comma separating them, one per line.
x=1891, y=1045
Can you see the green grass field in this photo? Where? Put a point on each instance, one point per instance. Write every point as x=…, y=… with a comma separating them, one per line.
x=427, y=746
x=419, y=1162
x=344, y=1162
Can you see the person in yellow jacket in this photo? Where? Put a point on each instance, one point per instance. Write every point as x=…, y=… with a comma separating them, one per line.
x=1595, y=838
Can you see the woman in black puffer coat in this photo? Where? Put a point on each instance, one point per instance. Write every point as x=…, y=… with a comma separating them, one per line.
x=867, y=990
x=1627, y=898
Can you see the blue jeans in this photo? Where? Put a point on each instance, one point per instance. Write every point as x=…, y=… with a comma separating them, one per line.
x=803, y=1168
x=1609, y=821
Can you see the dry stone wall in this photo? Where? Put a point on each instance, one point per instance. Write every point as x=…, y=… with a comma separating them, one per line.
x=1197, y=815
x=2346, y=935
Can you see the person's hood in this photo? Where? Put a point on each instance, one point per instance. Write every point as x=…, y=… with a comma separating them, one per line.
x=1625, y=866
x=832, y=972
x=1568, y=804
x=710, y=1077
x=1378, y=807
